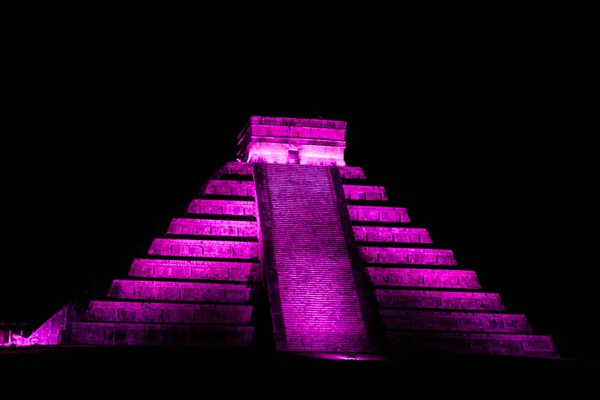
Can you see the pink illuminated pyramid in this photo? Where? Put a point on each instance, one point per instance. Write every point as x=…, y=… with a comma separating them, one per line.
x=290, y=249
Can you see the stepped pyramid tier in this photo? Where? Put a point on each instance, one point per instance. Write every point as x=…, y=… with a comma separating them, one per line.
x=290, y=249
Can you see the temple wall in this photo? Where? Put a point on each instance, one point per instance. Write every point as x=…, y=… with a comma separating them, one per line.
x=222, y=207
x=417, y=277
x=397, y=298
x=359, y=192
x=203, y=248
x=180, y=291
x=391, y=234
x=115, y=311
x=455, y=321
x=211, y=227
x=378, y=213
x=230, y=188
x=195, y=269
x=394, y=255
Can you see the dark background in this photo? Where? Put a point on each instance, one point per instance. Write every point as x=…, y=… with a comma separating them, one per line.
x=480, y=130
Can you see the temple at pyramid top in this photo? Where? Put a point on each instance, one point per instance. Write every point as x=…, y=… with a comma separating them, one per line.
x=303, y=141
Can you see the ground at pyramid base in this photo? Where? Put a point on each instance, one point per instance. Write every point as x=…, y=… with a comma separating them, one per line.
x=289, y=251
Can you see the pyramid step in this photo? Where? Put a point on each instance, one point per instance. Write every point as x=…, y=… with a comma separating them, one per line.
x=222, y=207
x=455, y=321
x=428, y=278
x=230, y=188
x=378, y=213
x=110, y=333
x=124, y=311
x=195, y=269
x=391, y=234
x=351, y=172
x=474, y=343
x=204, y=248
x=211, y=227
x=180, y=291
x=442, y=300
x=365, y=192
x=237, y=168
x=394, y=255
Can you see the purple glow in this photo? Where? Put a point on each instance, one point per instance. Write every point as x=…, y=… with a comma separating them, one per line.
x=395, y=255
x=222, y=207
x=182, y=291
x=417, y=277
x=230, y=188
x=297, y=256
x=378, y=213
x=391, y=234
x=107, y=333
x=399, y=298
x=212, y=227
x=118, y=311
x=475, y=343
x=204, y=248
x=360, y=192
x=455, y=321
x=319, y=303
x=198, y=270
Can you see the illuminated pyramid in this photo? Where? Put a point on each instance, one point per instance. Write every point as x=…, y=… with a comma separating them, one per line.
x=288, y=248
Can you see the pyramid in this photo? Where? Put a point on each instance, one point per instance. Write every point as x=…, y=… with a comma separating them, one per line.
x=290, y=249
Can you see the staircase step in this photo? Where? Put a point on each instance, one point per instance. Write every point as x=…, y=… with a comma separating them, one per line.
x=396, y=255
x=378, y=213
x=455, y=321
x=212, y=227
x=442, y=300
x=391, y=234
x=222, y=207
x=421, y=277
x=151, y=312
x=197, y=270
x=114, y=333
x=474, y=343
x=204, y=248
x=180, y=291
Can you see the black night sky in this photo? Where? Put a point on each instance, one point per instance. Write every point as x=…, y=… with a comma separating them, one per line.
x=106, y=140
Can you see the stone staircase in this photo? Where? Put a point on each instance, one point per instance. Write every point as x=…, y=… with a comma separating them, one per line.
x=314, y=302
